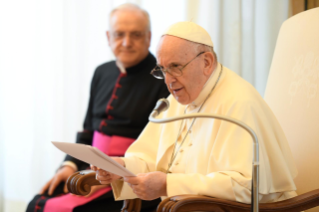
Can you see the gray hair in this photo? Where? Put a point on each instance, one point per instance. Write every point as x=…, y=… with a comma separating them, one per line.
x=198, y=47
x=130, y=6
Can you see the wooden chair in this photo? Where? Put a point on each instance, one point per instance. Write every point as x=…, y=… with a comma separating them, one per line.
x=293, y=94
x=80, y=184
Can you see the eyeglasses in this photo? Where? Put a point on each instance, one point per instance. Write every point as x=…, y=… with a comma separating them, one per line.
x=176, y=71
x=136, y=35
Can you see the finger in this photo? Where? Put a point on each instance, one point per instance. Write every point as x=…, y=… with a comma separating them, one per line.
x=131, y=180
x=65, y=189
x=103, y=178
x=105, y=182
x=94, y=168
x=102, y=175
x=103, y=172
x=98, y=176
x=45, y=187
x=54, y=184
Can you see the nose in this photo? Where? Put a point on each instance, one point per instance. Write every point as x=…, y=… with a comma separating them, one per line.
x=127, y=41
x=169, y=78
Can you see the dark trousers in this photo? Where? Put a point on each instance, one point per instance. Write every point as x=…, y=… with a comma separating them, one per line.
x=104, y=203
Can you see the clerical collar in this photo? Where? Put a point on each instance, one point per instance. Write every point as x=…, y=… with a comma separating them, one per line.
x=140, y=66
x=207, y=88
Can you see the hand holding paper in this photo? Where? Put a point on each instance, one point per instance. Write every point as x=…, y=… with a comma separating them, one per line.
x=105, y=177
x=93, y=156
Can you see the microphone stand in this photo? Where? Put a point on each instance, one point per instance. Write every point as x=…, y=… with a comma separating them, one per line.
x=255, y=164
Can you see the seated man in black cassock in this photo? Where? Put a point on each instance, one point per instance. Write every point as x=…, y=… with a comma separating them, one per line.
x=123, y=93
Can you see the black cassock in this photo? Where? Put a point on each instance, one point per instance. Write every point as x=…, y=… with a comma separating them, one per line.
x=119, y=105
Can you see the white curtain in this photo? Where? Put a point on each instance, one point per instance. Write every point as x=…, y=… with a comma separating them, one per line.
x=48, y=52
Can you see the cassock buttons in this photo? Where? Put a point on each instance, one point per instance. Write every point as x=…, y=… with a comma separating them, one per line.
x=181, y=150
x=176, y=163
x=190, y=144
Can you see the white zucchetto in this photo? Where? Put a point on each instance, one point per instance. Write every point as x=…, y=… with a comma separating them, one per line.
x=189, y=31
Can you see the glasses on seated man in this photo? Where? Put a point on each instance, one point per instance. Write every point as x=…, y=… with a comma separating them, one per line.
x=175, y=70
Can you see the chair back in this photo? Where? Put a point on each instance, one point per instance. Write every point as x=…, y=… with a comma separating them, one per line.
x=292, y=93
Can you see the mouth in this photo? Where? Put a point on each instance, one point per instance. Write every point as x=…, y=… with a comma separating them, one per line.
x=176, y=91
x=127, y=50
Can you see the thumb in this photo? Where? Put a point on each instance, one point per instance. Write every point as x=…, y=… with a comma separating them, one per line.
x=131, y=180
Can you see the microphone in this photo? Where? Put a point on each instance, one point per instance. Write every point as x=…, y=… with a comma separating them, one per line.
x=161, y=106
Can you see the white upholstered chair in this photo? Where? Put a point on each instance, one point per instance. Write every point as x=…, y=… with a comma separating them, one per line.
x=293, y=93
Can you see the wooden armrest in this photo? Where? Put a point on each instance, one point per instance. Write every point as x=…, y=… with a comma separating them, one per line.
x=80, y=182
x=132, y=205
x=184, y=203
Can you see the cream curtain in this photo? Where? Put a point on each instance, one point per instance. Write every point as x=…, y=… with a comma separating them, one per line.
x=48, y=52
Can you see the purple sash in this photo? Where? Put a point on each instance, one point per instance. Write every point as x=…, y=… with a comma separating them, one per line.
x=67, y=202
x=110, y=145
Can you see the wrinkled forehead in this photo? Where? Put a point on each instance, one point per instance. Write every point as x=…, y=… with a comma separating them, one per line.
x=174, y=47
x=128, y=20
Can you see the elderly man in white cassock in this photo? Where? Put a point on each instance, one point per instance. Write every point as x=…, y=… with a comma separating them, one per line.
x=204, y=156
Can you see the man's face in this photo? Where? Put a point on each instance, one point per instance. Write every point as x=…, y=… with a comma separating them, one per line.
x=173, y=51
x=129, y=37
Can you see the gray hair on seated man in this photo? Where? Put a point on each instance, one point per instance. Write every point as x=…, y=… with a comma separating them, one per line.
x=204, y=48
x=130, y=6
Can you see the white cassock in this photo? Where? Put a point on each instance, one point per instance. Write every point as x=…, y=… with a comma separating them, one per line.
x=216, y=156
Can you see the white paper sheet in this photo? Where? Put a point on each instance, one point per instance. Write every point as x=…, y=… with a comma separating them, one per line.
x=94, y=156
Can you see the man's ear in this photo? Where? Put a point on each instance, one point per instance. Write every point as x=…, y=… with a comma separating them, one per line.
x=208, y=63
x=108, y=37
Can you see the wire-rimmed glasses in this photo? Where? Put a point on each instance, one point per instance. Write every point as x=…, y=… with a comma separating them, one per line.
x=175, y=70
